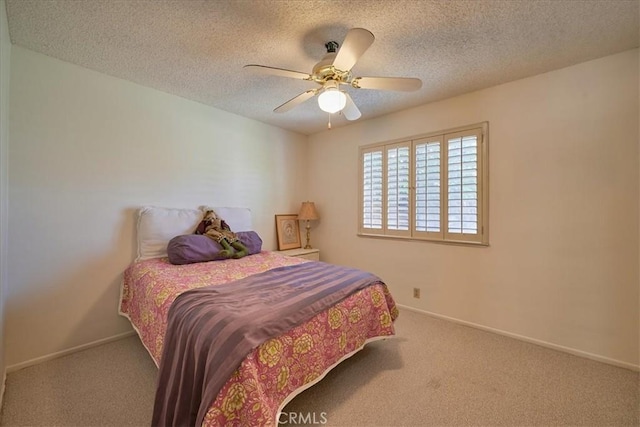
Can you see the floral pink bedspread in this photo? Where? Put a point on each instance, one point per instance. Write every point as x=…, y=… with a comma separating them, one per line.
x=280, y=367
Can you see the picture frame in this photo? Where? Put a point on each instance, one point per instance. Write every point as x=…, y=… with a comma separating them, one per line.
x=288, y=231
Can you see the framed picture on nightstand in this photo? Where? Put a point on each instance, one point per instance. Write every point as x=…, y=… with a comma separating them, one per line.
x=288, y=231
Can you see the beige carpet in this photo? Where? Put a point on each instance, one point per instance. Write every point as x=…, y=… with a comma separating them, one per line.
x=435, y=373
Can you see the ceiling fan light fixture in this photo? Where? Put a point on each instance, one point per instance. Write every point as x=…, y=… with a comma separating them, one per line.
x=332, y=99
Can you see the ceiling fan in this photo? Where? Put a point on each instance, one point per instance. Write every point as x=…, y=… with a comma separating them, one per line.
x=334, y=70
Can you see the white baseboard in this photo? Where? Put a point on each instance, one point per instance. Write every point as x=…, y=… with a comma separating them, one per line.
x=2, y=387
x=564, y=349
x=569, y=350
x=37, y=360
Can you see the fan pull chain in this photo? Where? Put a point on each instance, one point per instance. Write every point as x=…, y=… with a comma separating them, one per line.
x=329, y=124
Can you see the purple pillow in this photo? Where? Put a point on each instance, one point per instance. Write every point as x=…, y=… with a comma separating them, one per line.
x=251, y=240
x=192, y=248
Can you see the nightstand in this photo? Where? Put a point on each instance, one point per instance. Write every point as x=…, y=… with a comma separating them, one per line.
x=312, y=254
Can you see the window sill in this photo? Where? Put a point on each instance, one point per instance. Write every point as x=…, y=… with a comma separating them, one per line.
x=420, y=239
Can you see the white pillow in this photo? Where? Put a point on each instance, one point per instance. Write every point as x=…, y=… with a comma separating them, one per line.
x=156, y=226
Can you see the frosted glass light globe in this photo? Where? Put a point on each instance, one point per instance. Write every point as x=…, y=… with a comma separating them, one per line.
x=332, y=100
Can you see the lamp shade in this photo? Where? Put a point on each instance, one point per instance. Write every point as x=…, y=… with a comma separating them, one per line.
x=308, y=212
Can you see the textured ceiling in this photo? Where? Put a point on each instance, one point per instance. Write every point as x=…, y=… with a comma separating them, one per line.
x=196, y=49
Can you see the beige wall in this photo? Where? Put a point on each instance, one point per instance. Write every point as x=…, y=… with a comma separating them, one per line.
x=5, y=61
x=562, y=266
x=86, y=150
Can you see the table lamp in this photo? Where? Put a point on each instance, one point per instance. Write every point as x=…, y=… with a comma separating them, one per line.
x=308, y=213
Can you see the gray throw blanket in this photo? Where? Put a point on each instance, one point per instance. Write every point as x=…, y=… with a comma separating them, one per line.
x=212, y=329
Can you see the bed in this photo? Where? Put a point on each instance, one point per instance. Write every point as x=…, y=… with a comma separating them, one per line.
x=281, y=367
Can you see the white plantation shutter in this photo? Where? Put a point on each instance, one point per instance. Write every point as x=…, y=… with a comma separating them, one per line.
x=463, y=189
x=427, y=199
x=432, y=188
x=372, y=199
x=398, y=197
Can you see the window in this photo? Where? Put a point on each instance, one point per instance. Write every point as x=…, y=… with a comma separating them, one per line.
x=432, y=187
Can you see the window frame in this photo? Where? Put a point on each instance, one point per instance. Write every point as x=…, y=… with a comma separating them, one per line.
x=481, y=130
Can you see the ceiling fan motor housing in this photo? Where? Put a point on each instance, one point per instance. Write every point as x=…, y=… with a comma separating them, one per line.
x=324, y=70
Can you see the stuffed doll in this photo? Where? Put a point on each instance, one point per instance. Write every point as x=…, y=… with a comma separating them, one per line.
x=216, y=229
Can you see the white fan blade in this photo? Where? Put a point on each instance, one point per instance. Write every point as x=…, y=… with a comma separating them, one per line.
x=350, y=110
x=407, y=84
x=263, y=69
x=355, y=44
x=297, y=100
